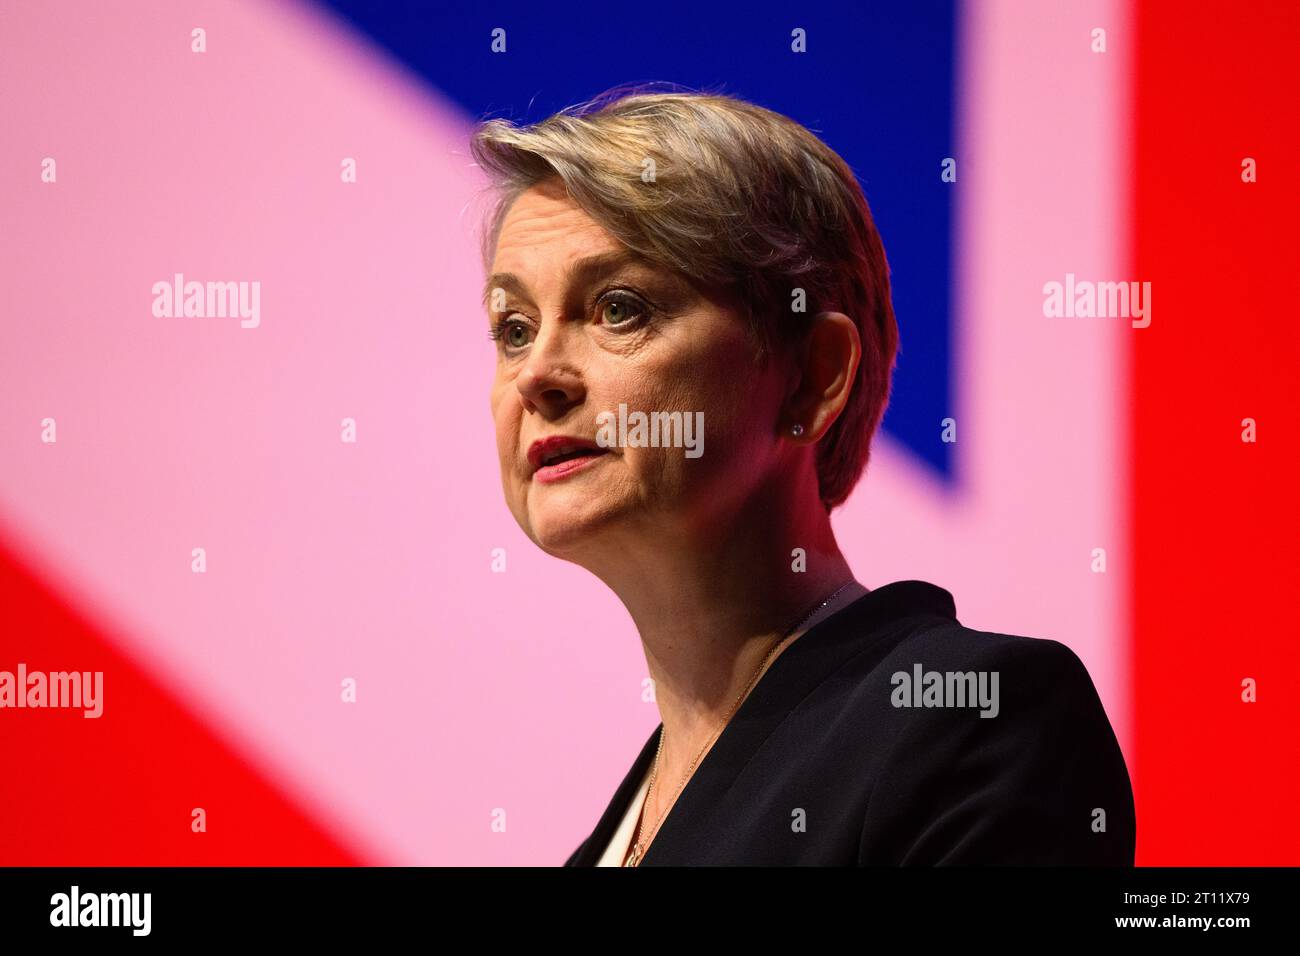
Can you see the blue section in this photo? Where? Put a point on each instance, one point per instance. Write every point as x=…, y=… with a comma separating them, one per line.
x=875, y=84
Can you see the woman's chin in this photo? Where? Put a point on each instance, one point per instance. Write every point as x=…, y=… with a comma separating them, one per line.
x=566, y=527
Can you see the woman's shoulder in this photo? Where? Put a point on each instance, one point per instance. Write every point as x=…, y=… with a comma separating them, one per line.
x=950, y=647
x=983, y=746
x=931, y=686
x=928, y=648
x=907, y=657
x=914, y=622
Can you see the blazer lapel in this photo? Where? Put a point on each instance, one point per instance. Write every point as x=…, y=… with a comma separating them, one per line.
x=795, y=673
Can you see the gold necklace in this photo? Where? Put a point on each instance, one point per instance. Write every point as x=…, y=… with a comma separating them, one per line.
x=639, y=848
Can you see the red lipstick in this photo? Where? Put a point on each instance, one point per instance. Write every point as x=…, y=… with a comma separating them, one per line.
x=559, y=456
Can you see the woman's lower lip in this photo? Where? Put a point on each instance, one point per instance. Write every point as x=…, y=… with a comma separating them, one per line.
x=549, y=473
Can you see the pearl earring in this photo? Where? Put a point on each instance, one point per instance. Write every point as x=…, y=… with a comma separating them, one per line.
x=796, y=430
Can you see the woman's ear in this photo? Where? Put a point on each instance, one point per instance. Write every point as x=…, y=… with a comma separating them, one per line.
x=826, y=366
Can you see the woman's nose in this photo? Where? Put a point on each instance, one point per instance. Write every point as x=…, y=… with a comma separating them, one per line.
x=549, y=382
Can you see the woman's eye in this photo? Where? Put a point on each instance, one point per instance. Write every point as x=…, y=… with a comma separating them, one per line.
x=516, y=335
x=511, y=332
x=621, y=310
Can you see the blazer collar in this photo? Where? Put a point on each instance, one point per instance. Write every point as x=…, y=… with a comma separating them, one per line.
x=789, y=679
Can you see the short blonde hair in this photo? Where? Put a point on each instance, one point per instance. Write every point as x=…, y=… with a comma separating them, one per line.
x=742, y=199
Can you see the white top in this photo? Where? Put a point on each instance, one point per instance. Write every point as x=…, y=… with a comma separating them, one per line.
x=621, y=841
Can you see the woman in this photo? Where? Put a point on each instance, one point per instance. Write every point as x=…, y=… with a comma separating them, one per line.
x=665, y=268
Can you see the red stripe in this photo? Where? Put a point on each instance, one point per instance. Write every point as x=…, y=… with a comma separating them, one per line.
x=1215, y=520
x=119, y=790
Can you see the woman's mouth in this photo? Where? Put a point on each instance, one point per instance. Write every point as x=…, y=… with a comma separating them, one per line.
x=559, y=457
x=565, y=465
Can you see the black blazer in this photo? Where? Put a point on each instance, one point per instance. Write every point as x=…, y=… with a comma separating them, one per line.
x=822, y=765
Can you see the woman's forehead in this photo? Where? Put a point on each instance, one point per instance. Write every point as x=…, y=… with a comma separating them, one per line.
x=543, y=223
x=545, y=236
x=539, y=223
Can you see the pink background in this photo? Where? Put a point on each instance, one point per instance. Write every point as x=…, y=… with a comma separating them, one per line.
x=326, y=560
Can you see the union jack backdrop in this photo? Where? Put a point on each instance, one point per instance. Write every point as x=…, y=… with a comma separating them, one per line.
x=1089, y=210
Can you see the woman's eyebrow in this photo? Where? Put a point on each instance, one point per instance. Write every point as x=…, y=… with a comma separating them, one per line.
x=584, y=270
x=504, y=280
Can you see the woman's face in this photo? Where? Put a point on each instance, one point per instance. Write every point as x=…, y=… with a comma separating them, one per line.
x=583, y=328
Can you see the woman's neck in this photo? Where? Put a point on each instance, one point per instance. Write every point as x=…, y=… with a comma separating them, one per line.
x=708, y=614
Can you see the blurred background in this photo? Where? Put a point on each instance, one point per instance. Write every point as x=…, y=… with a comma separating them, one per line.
x=211, y=139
